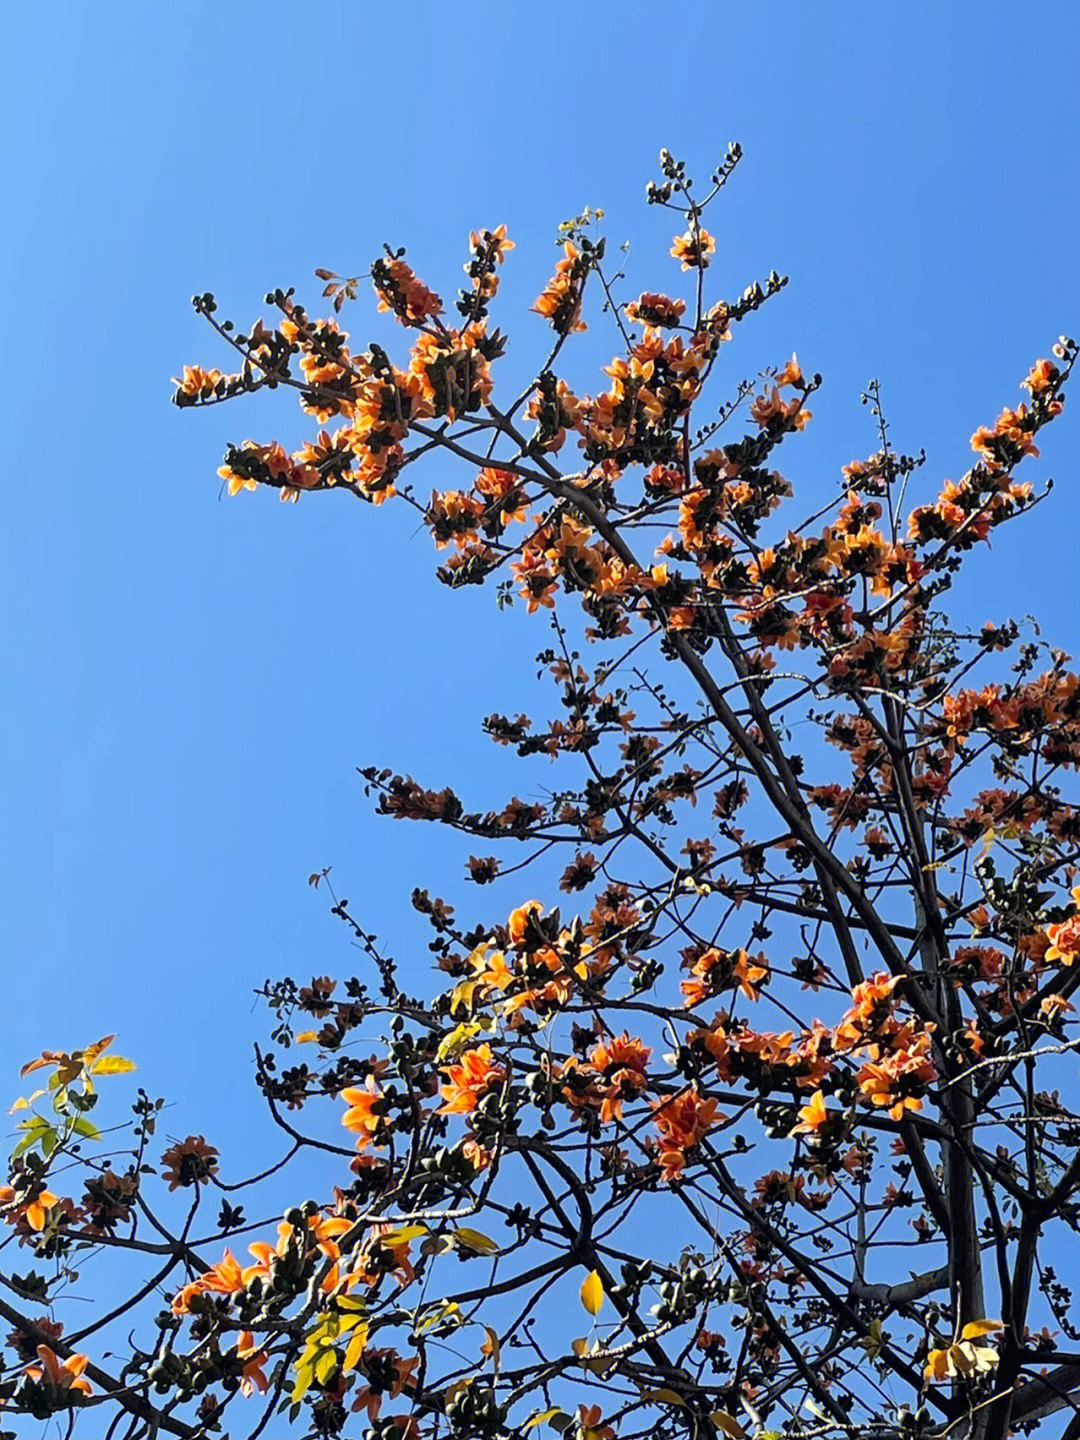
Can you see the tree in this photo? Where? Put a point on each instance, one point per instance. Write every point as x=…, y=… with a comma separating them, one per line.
x=752, y=1133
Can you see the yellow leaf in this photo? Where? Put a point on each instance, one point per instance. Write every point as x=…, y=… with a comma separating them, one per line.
x=592, y=1293
x=306, y=1037
x=728, y=1424
x=461, y=997
x=447, y=1312
x=665, y=1396
x=402, y=1235
x=976, y=1329
x=350, y=1302
x=113, y=1065
x=325, y=1366
x=558, y=1419
x=592, y=1357
x=24, y=1102
x=305, y=1374
x=490, y=1347
x=937, y=1365
x=356, y=1347
x=963, y=1358
x=91, y=1053
x=473, y=1240
x=967, y=1357
x=873, y=1340
x=455, y=1040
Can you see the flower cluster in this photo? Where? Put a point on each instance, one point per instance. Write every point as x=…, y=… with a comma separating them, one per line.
x=878, y=936
x=682, y=1122
x=560, y=300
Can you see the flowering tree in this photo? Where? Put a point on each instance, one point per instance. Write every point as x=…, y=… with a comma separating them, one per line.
x=759, y=1130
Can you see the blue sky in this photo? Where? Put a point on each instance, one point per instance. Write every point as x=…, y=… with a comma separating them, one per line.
x=189, y=684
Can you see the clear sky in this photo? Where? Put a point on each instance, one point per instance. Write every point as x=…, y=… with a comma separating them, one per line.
x=188, y=682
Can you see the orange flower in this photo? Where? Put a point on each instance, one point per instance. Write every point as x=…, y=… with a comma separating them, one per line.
x=973, y=1037
x=659, y=310
x=694, y=250
x=775, y=414
x=318, y=1230
x=682, y=1121
x=873, y=1006
x=614, y=1072
x=519, y=920
x=34, y=1210
x=64, y=1374
x=235, y=480
x=189, y=1161
x=590, y=1425
x=478, y=1157
x=716, y=969
x=468, y=1083
x=1064, y=940
x=198, y=382
x=365, y=1113
x=536, y=579
x=791, y=373
x=681, y=617
x=381, y=1255
x=399, y=290
x=620, y=1052
x=252, y=1378
x=491, y=968
x=560, y=301
x=494, y=241
x=813, y=1117
x=1054, y=1006
x=388, y=1374
x=503, y=491
x=899, y=1080
x=227, y=1277
x=1043, y=374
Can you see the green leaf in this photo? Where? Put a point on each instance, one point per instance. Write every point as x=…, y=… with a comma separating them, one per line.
x=34, y=1125
x=37, y=1131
